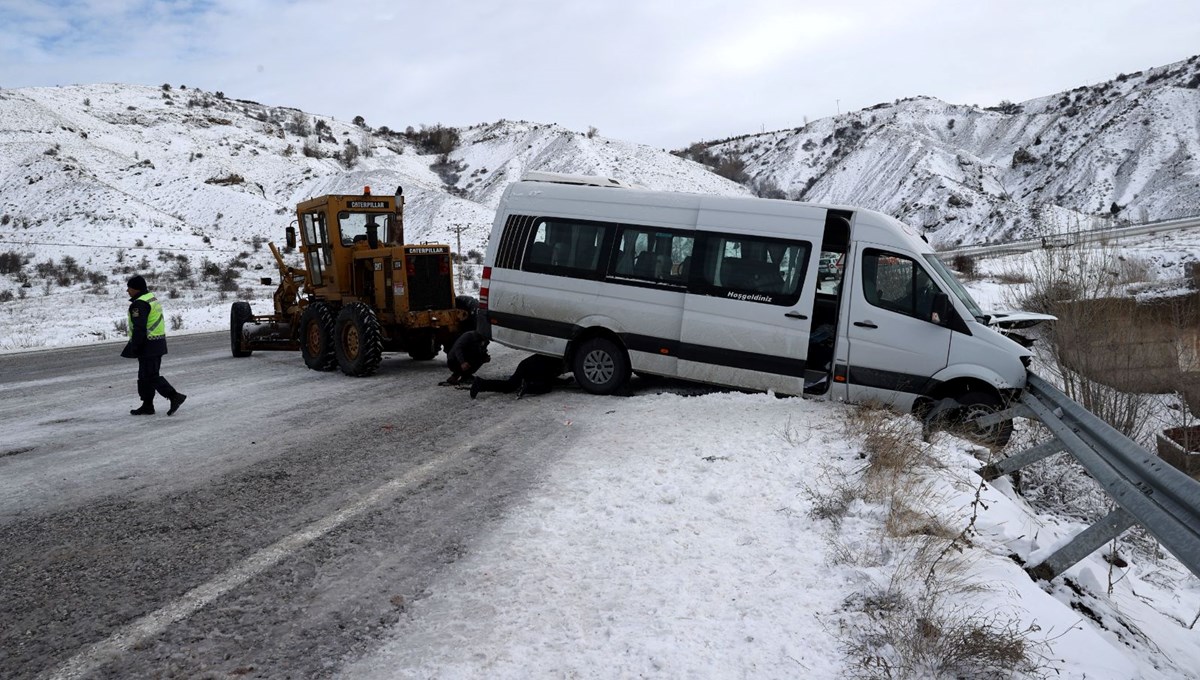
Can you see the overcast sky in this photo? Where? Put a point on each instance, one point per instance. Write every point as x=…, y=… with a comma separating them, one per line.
x=658, y=72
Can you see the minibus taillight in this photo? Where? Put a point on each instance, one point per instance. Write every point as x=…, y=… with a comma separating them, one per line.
x=483, y=287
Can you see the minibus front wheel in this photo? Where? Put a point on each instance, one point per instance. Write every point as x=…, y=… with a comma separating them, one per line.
x=956, y=415
x=601, y=366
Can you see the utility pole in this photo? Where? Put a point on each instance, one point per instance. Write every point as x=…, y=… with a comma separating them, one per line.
x=462, y=260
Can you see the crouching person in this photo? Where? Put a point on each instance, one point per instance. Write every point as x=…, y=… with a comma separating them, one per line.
x=465, y=356
x=535, y=374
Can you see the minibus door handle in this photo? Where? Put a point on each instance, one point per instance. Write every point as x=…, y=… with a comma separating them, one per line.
x=795, y=315
x=865, y=324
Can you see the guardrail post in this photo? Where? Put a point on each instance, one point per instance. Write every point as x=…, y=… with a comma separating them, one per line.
x=1019, y=460
x=1088, y=541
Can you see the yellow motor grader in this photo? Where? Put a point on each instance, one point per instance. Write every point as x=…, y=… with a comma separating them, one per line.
x=361, y=292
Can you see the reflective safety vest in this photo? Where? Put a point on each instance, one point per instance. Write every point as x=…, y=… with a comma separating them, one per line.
x=155, y=328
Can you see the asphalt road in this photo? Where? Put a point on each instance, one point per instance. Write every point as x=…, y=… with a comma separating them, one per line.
x=274, y=527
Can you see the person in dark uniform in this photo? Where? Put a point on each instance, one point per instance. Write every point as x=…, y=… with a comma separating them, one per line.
x=465, y=356
x=536, y=374
x=148, y=343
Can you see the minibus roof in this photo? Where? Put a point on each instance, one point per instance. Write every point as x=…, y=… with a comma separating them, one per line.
x=868, y=225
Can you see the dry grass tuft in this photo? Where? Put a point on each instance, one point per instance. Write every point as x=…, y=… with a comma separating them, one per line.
x=912, y=626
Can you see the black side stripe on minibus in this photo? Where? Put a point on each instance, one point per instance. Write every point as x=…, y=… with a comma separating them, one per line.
x=553, y=329
x=716, y=356
x=766, y=363
x=891, y=380
x=704, y=354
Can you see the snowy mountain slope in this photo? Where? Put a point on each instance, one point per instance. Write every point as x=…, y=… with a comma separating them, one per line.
x=186, y=185
x=1126, y=149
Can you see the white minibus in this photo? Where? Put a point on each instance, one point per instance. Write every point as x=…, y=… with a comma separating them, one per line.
x=731, y=291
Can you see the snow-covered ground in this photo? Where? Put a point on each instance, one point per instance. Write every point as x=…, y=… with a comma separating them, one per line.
x=692, y=533
x=739, y=535
x=735, y=536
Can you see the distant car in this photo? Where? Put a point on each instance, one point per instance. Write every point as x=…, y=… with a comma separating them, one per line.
x=831, y=266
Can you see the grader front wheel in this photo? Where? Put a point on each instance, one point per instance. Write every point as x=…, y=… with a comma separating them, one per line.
x=239, y=314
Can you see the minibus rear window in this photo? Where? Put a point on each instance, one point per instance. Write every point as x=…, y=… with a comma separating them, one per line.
x=567, y=247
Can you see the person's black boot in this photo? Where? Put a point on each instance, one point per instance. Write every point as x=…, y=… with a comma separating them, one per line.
x=146, y=394
x=176, y=402
x=475, y=387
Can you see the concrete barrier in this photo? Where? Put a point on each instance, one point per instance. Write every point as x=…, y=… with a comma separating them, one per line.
x=1180, y=446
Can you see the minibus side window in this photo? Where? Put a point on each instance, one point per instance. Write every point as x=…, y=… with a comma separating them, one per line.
x=754, y=269
x=898, y=284
x=652, y=255
x=566, y=248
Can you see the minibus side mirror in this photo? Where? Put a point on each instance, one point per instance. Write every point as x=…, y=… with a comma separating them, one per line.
x=941, y=310
x=943, y=314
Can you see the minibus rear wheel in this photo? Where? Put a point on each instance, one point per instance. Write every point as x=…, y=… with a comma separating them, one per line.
x=600, y=366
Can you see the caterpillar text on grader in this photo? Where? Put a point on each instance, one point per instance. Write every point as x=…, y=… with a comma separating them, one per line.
x=360, y=293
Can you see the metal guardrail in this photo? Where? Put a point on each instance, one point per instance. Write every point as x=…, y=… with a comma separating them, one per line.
x=1063, y=239
x=1146, y=489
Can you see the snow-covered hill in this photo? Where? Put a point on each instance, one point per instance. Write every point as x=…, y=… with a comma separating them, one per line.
x=100, y=181
x=1122, y=150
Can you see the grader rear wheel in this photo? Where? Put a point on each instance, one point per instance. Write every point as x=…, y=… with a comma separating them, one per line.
x=316, y=337
x=359, y=345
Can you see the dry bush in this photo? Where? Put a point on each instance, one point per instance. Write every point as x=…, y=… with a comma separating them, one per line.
x=1135, y=270
x=1078, y=272
x=894, y=452
x=908, y=514
x=914, y=628
x=965, y=265
x=891, y=445
x=831, y=496
x=1011, y=277
x=1083, y=287
x=1060, y=486
x=926, y=639
x=1126, y=412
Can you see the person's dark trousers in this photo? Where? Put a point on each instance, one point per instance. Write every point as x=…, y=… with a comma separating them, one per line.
x=506, y=386
x=149, y=381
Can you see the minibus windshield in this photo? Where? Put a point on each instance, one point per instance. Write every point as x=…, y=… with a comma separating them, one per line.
x=959, y=292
